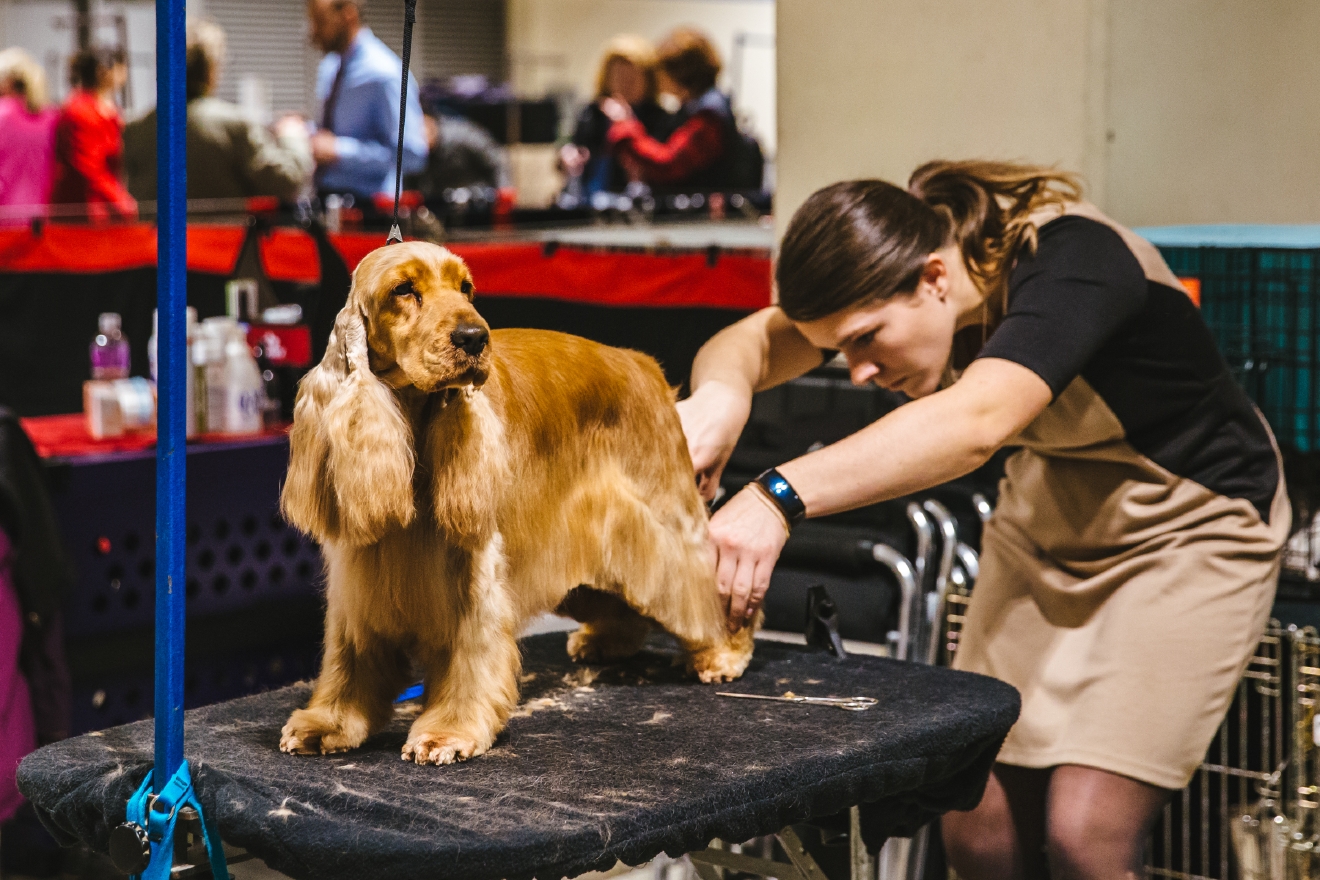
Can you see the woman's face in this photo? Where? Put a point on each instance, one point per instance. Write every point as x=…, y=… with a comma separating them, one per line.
x=670, y=86
x=625, y=80
x=111, y=79
x=902, y=343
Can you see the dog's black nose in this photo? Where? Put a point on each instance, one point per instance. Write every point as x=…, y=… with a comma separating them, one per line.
x=470, y=338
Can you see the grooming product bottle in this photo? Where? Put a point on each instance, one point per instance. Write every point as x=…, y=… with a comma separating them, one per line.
x=245, y=392
x=109, y=349
x=215, y=332
x=190, y=421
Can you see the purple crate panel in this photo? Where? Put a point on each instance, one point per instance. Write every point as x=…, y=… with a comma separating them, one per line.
x=241, y=552
x=101, y=702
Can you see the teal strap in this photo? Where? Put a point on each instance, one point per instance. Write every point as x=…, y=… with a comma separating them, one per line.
x=159, y=817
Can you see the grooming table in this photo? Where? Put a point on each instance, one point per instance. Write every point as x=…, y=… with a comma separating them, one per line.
x=600, y=763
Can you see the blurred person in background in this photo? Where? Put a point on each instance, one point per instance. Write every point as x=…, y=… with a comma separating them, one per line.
x=462, y=154
x=89, y=143
x=628, y=75
x=703, y=151
x=358, y=84
x=27, y=138
x=229, y=155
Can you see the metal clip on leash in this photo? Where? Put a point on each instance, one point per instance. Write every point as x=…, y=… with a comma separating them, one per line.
x=143, y=845
x=409, y=16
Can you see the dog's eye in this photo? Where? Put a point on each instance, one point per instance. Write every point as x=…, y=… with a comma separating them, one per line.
x=466, y=287
x=406, y=289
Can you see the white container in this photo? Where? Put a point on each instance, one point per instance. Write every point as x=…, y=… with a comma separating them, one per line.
x=190, y=420
x=214, y=335
x=245, y=393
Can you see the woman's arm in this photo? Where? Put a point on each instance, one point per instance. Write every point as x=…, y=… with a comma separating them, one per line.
x=921, y=444
x=759, y=352
x=693, y=146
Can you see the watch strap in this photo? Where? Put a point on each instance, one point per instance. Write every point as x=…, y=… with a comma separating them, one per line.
x=783, y=494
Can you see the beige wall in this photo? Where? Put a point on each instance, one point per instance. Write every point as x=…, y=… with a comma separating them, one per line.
x=554, y=45
x=1215, y=111
x=1175, y=111
x=876, y=87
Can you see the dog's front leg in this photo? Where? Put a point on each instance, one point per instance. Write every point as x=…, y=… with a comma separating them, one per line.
x=471, y=683
x=353, y=696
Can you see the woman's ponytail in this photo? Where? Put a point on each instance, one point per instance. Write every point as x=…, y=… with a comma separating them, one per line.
x=860, y=241
x=988, y=206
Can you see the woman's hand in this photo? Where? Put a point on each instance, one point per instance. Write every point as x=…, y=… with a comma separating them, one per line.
x=713, y=418
x=573, y=159
x=747, y=534
x=616, y=109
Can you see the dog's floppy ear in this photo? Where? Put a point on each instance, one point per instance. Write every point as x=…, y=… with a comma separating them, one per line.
x=350, y=451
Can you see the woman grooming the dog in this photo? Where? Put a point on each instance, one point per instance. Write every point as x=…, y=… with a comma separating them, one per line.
x=1129, y=568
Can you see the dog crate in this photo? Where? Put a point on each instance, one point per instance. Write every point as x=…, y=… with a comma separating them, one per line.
x=1252, y=811
x=1259, y=291
x=240, y=551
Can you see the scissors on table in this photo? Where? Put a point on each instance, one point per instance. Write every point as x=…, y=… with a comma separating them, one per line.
x=850, y=704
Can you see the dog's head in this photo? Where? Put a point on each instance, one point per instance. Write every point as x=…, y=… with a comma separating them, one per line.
x=421, y=330
x=409, y=321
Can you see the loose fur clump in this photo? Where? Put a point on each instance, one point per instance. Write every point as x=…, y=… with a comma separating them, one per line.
x=462, y=481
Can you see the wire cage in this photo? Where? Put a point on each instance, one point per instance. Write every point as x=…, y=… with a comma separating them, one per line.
x=1252, y=811
x=1263, y=306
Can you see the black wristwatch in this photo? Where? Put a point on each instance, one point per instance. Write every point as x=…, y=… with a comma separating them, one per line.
x=781, y=492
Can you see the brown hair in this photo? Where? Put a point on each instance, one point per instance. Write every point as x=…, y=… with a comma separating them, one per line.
x=637, y=51
x=86, y=67
x=865, y=240
x=205, y=54
x=690, y=59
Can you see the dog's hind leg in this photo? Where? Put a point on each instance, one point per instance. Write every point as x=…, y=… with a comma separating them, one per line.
x=353, y=695
x=660, y=559
x=472, y=682
x=610, y=630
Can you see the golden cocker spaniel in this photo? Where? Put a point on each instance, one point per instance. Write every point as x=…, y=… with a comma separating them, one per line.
x=462, y=481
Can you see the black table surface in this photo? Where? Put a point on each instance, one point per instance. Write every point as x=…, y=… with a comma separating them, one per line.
x=599, y=763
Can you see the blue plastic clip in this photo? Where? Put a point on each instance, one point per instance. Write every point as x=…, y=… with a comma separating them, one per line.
x=159, y=816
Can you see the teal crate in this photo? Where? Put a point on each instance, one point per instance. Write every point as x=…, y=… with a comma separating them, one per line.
x=1260, y=295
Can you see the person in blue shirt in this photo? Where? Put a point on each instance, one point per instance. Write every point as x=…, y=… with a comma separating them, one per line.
x=357, y=85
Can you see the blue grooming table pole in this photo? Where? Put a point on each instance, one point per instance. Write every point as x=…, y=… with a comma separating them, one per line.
x=171, y=305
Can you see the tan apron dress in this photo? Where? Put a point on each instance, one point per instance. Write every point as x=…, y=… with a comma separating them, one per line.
x=1123, y=602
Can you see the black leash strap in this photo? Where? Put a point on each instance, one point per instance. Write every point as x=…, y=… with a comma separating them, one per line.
x=409, y=16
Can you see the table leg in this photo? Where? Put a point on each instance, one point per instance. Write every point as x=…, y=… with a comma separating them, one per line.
x=800, y=866
x=863, y=865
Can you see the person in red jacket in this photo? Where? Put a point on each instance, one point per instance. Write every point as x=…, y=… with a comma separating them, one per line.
x=89, y=142
x=699, y=153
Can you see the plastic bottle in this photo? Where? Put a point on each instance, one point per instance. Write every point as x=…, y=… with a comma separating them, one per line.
x=245, y=391
x=190, y=419
x=235, y=393
x=214, y=333
x=197, y=354
x=109, y=349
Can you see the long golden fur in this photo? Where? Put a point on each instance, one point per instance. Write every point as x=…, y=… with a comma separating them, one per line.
x=461, y=482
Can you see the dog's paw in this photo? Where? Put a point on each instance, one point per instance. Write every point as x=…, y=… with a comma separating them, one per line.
x=589, y=645
x=307, y=734
x=715, y=665
x=582, y=648
x=439, y=748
